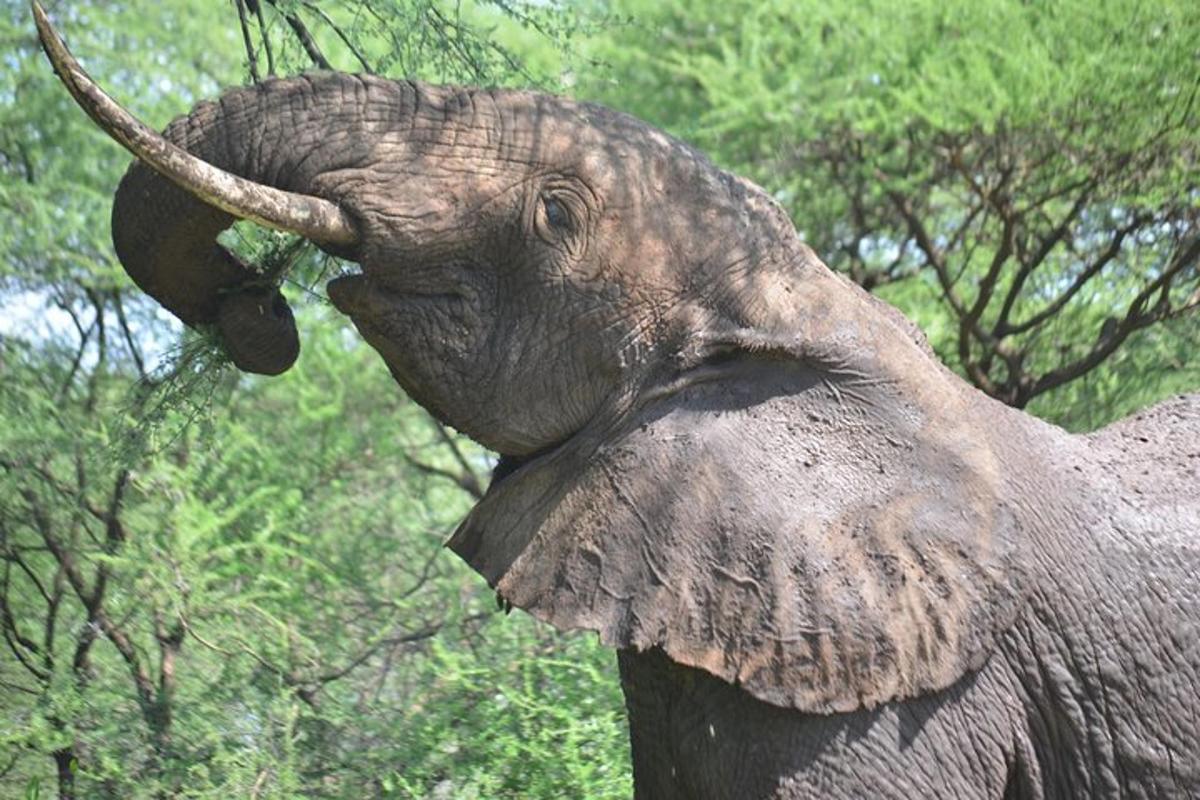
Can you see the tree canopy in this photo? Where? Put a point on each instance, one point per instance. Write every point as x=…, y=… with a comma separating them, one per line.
x=1028, y=171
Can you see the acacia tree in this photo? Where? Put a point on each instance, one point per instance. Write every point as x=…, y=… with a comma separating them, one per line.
x=1035, y=167
x=69, y=327
x=250, y=563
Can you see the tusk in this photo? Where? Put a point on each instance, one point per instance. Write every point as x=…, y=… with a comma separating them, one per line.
x=312, y=217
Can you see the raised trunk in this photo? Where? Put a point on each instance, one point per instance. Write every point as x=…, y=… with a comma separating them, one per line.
x=285, y=134
x=254, y=319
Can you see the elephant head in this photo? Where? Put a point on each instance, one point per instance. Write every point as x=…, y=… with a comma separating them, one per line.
x=646, y=341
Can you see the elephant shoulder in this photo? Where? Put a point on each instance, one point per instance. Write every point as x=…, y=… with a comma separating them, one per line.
x=1151, y=462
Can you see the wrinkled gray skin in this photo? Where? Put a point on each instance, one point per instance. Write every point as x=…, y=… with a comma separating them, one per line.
x=830, y=567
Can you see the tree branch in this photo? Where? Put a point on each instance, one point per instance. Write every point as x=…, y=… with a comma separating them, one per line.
x=124, y=645
x=341, y=34
x=17, y=642
x=1047, y=243
x=134, y=352
x=306, y=40
x=1102, y=260
x=466, y=478
x=936, y=260
x=266, y=40
x=1135, y=319
x=251, y=56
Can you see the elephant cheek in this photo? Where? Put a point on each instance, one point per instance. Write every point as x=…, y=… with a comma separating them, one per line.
x=258, y=330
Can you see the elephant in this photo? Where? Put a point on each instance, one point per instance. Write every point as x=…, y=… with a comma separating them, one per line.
x=829, y=566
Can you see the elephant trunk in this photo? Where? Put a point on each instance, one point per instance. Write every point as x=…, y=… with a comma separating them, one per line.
x=255, y=154
x=166, y=235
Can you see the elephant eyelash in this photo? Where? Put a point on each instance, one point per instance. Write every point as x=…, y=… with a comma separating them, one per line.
x=557, y=214
x=561, y=219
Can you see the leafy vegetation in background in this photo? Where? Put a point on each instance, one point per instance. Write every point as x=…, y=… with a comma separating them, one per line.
x=213, y=585
x=1021, y=178
x=255, y=603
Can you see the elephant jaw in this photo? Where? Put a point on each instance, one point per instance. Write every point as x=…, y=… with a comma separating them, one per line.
x=404, y=326
x=438, y=363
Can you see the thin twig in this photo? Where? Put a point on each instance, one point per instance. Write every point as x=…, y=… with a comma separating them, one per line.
x=134, y=352
x=306, y=40
x=251, y=56
x=341, y=34
x=266, y=40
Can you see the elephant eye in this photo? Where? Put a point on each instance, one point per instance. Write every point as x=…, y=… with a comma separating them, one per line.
x=556, y=213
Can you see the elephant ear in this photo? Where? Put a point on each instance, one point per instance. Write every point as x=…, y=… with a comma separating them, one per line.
x=826, y=540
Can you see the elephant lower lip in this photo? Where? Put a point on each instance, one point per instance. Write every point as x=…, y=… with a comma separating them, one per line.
x=358, y=295
x=347, y=293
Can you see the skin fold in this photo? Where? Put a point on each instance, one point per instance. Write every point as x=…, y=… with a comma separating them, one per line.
x=831, y=568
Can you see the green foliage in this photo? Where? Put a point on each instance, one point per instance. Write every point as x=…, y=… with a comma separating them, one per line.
x=286, y=555
x=1033, y=166
x=531, y=697
x=748, y=80
x=56, y=171
x=1153, y=365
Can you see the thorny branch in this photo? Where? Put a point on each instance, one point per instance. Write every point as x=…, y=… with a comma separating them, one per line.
x=302, y=34
x=251, y=55
x=995, y=207
x=341, y=34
